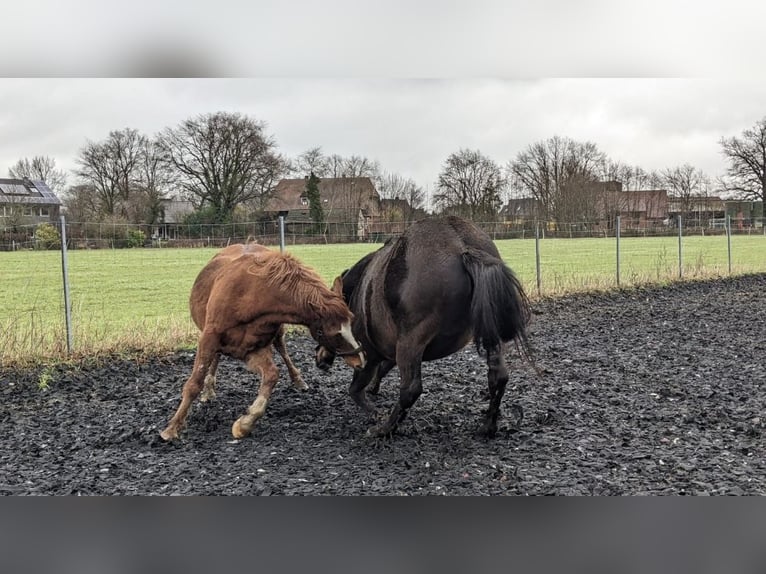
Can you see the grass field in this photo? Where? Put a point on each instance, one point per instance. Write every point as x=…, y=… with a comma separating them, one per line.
x=136, y=299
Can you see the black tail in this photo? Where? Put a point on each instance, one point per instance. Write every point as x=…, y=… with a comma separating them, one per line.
x=499, y=307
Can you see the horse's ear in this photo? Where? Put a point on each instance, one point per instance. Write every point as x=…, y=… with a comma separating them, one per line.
x=337, y=286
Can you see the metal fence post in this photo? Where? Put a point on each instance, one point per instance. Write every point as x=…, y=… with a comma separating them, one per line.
x=537, y=258
x=728, y=239
x=617, y=236
x=282, y=233
x=65, y=272
x=680, y=253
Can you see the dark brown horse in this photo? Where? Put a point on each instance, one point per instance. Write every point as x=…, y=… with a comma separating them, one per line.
x=241, y=301
x=425, y=296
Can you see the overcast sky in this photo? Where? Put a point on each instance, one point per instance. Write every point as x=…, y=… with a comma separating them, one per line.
x=409, y=126
x=654, y=84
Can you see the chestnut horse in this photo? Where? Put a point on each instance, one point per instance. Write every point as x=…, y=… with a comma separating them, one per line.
x=424, y=296
x=240, y=302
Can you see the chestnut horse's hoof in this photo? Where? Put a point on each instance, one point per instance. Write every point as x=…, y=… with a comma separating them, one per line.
x=169, y=435
x=238, y=431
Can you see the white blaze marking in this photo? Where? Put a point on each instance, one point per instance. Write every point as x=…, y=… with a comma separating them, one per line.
x=345, y=331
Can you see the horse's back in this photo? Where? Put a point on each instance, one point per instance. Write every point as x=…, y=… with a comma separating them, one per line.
x=203, y=285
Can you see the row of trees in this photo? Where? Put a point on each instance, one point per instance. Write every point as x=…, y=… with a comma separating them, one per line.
x=228, y=166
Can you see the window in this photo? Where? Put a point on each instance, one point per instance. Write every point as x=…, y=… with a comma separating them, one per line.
x=45, y=212
x=28, y=211
x=304, y=200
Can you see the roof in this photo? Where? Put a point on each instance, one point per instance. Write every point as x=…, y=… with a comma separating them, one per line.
x=176, y=209
x=27, y=192
x=339, y=193
x=696, y=203
x=651, y=202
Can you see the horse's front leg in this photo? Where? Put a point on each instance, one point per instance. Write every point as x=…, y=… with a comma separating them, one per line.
x=262, y=362
x=207, y=354
x=408, y=359
x=359, y=383
x=383, y=370
x=295, y=374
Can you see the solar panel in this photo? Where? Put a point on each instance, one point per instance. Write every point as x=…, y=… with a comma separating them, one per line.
x=33, y=193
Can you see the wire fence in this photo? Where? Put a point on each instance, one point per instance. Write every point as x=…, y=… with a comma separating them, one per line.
x=130, y=288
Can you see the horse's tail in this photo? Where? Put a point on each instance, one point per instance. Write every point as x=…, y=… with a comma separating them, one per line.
x=499, y=306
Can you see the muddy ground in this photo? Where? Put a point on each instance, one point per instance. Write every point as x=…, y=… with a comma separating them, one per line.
x=650, y=391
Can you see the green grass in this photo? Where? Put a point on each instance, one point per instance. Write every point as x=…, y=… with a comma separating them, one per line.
x=137, y=299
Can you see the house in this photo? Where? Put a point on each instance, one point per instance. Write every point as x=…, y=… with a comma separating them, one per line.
x=520, y=210
x=26, y=202
x=744, y=214
x=638, y=209
x=696, y=211
x=350, y=205
x=174, y=211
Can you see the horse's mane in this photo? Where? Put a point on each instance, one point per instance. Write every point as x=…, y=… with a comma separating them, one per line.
x=285, y=272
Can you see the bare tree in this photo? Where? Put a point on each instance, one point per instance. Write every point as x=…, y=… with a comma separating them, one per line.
x=746, y=174
x=394, y=186
x=560, y=174
x=686, y=182
x=631, y=178
x=40, y=168
x=82, y=203
x=109, y=166
x=153, y=179
x=470, y=184
x=222, y=160
x=310, y=161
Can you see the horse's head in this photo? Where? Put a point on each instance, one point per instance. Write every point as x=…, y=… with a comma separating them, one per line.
x=336, y=340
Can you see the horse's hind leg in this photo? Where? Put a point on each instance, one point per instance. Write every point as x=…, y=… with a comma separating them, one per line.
x=497, y=378
x=208, y=389
x=207, y=353
x=260, y=361
x=295, y=374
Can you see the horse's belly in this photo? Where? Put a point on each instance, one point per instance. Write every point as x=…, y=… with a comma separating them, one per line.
x=442, y=347
x=240, y=341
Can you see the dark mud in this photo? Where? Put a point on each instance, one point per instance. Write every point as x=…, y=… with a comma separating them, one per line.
x=650, y=391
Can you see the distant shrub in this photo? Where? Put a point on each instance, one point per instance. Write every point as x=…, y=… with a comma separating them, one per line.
x=136, y=238
x=47, y=237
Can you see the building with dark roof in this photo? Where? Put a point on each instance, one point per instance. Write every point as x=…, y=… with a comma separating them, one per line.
x=23, y=202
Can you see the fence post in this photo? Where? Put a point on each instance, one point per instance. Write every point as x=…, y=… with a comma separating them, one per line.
x=282, y=233
x=728, y=239
x=537, y=257
x=680, y=253
x=65, y=272
x=617, y=236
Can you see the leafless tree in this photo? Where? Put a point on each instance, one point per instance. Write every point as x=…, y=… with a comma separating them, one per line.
x=470, y=184
x=222, y=160
x=40, y=168
x=82, y=203
x=686, y=182
x=561, y=174
x=110, y=165
x=395, y=186
x=631, y=178
x=310, y=161
x=746, y=174
x=153, y=181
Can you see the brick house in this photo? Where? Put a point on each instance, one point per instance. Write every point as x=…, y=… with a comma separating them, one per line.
x=350, y=204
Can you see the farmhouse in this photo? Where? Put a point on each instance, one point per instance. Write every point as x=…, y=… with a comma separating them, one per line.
x=350, y=206
x=26, y=202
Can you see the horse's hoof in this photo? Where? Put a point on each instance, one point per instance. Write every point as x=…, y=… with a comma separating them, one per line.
x=169, y=435
x=379, y=431
x=238, y=431
x=486, y=431
x=300, y=385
